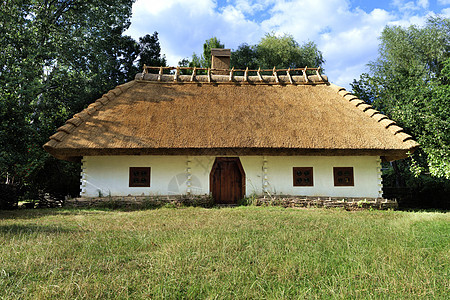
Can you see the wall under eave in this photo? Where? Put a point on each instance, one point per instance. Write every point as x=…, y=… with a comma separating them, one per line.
x=180, y=175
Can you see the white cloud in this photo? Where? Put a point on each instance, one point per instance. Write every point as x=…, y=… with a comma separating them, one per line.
x=183, y=26
x=304, y=18
x=444, y=2
x=345, y=75
x=347, y=36
x=405, y=6
x=445, y=12
x=423, y=3
x=251, y=6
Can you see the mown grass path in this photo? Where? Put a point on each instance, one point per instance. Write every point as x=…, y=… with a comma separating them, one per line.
x=243, y=252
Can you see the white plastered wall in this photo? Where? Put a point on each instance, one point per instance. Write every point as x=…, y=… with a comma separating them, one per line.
x=279, y=174
x=178, y=175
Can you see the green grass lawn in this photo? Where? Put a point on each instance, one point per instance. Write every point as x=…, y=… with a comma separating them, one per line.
x=243, y=252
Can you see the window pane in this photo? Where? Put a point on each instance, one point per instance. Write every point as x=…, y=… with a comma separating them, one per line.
x=302, y=176
x=139, y=176
x=343, y=176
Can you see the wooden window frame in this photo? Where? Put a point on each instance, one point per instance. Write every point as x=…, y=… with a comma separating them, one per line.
x=302, y=170
x=131, y=182
x=350, y=177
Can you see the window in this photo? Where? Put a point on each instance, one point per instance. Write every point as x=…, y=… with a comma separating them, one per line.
x=139, y=177
x=303, y=176
x=343, y=176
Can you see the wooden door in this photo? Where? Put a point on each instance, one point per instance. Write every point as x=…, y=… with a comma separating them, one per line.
x=227, y=180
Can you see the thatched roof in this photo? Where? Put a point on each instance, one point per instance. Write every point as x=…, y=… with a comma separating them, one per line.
x=287, y=115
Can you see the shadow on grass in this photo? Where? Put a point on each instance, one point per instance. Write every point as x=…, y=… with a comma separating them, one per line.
x=430, y=210
x=20, y=214
x=23, y=214
x=32, y=228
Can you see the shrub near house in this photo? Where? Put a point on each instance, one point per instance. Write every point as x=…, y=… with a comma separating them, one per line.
x=8, y=196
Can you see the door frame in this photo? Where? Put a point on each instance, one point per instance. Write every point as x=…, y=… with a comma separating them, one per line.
x=241, y=170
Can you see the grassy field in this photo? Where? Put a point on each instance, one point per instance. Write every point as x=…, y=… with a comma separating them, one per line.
x=244, y=252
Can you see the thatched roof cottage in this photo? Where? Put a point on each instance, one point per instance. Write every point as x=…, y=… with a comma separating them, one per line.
x=230, y=134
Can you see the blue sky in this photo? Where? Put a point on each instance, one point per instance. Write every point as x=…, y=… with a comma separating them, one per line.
x=346, y=31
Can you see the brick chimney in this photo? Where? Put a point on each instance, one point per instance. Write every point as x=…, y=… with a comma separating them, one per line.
x=220, y=59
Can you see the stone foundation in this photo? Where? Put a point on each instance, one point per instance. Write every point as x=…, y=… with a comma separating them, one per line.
x=207, y=201
x=327, y=202
x=141, y=201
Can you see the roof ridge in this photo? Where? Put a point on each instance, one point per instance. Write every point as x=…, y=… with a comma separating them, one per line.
x=235, y=79
x=215, y=75
x=79, y=118
x=382, y=119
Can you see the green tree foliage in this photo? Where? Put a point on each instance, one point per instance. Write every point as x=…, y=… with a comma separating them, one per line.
x=284, y=51
x=56, y=58
x=244, y=56
x=271, y=51
x=150, y=51
x=435, y=135
x=197, y=61
x=409, y=83
x=277, y=51
x=204, y=60
x=207, y=46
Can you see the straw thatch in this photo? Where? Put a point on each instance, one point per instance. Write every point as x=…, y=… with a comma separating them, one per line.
x=152, y=115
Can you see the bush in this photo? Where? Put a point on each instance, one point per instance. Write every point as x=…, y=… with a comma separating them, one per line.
x=422, y=192
x=8, y=196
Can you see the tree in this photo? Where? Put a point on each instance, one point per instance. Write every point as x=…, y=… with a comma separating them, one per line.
x=150, y=51
x=207, y=46
x=277, y=51
x=409, y=83
x=284, y=52
x=244, y=56
x=271, y=51
x=56, y=58
x=435, y=135
x=197, y=61
x=204, y=60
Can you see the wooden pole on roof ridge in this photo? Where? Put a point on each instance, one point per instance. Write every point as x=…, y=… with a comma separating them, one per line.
x=175, y=76
x=144, y=71
x=246, y=74
x=231, y=74
x=209, y=74
x=160, y=73
x=259, y=74
x=289, y=75
x=193, y=73
x=304, y=74
x=274, y=72
x=318, y=73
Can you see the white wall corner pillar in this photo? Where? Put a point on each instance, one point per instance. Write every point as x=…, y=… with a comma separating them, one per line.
x=379, y=178
x=188, y=175
x=265, y=179
x=83, y=179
